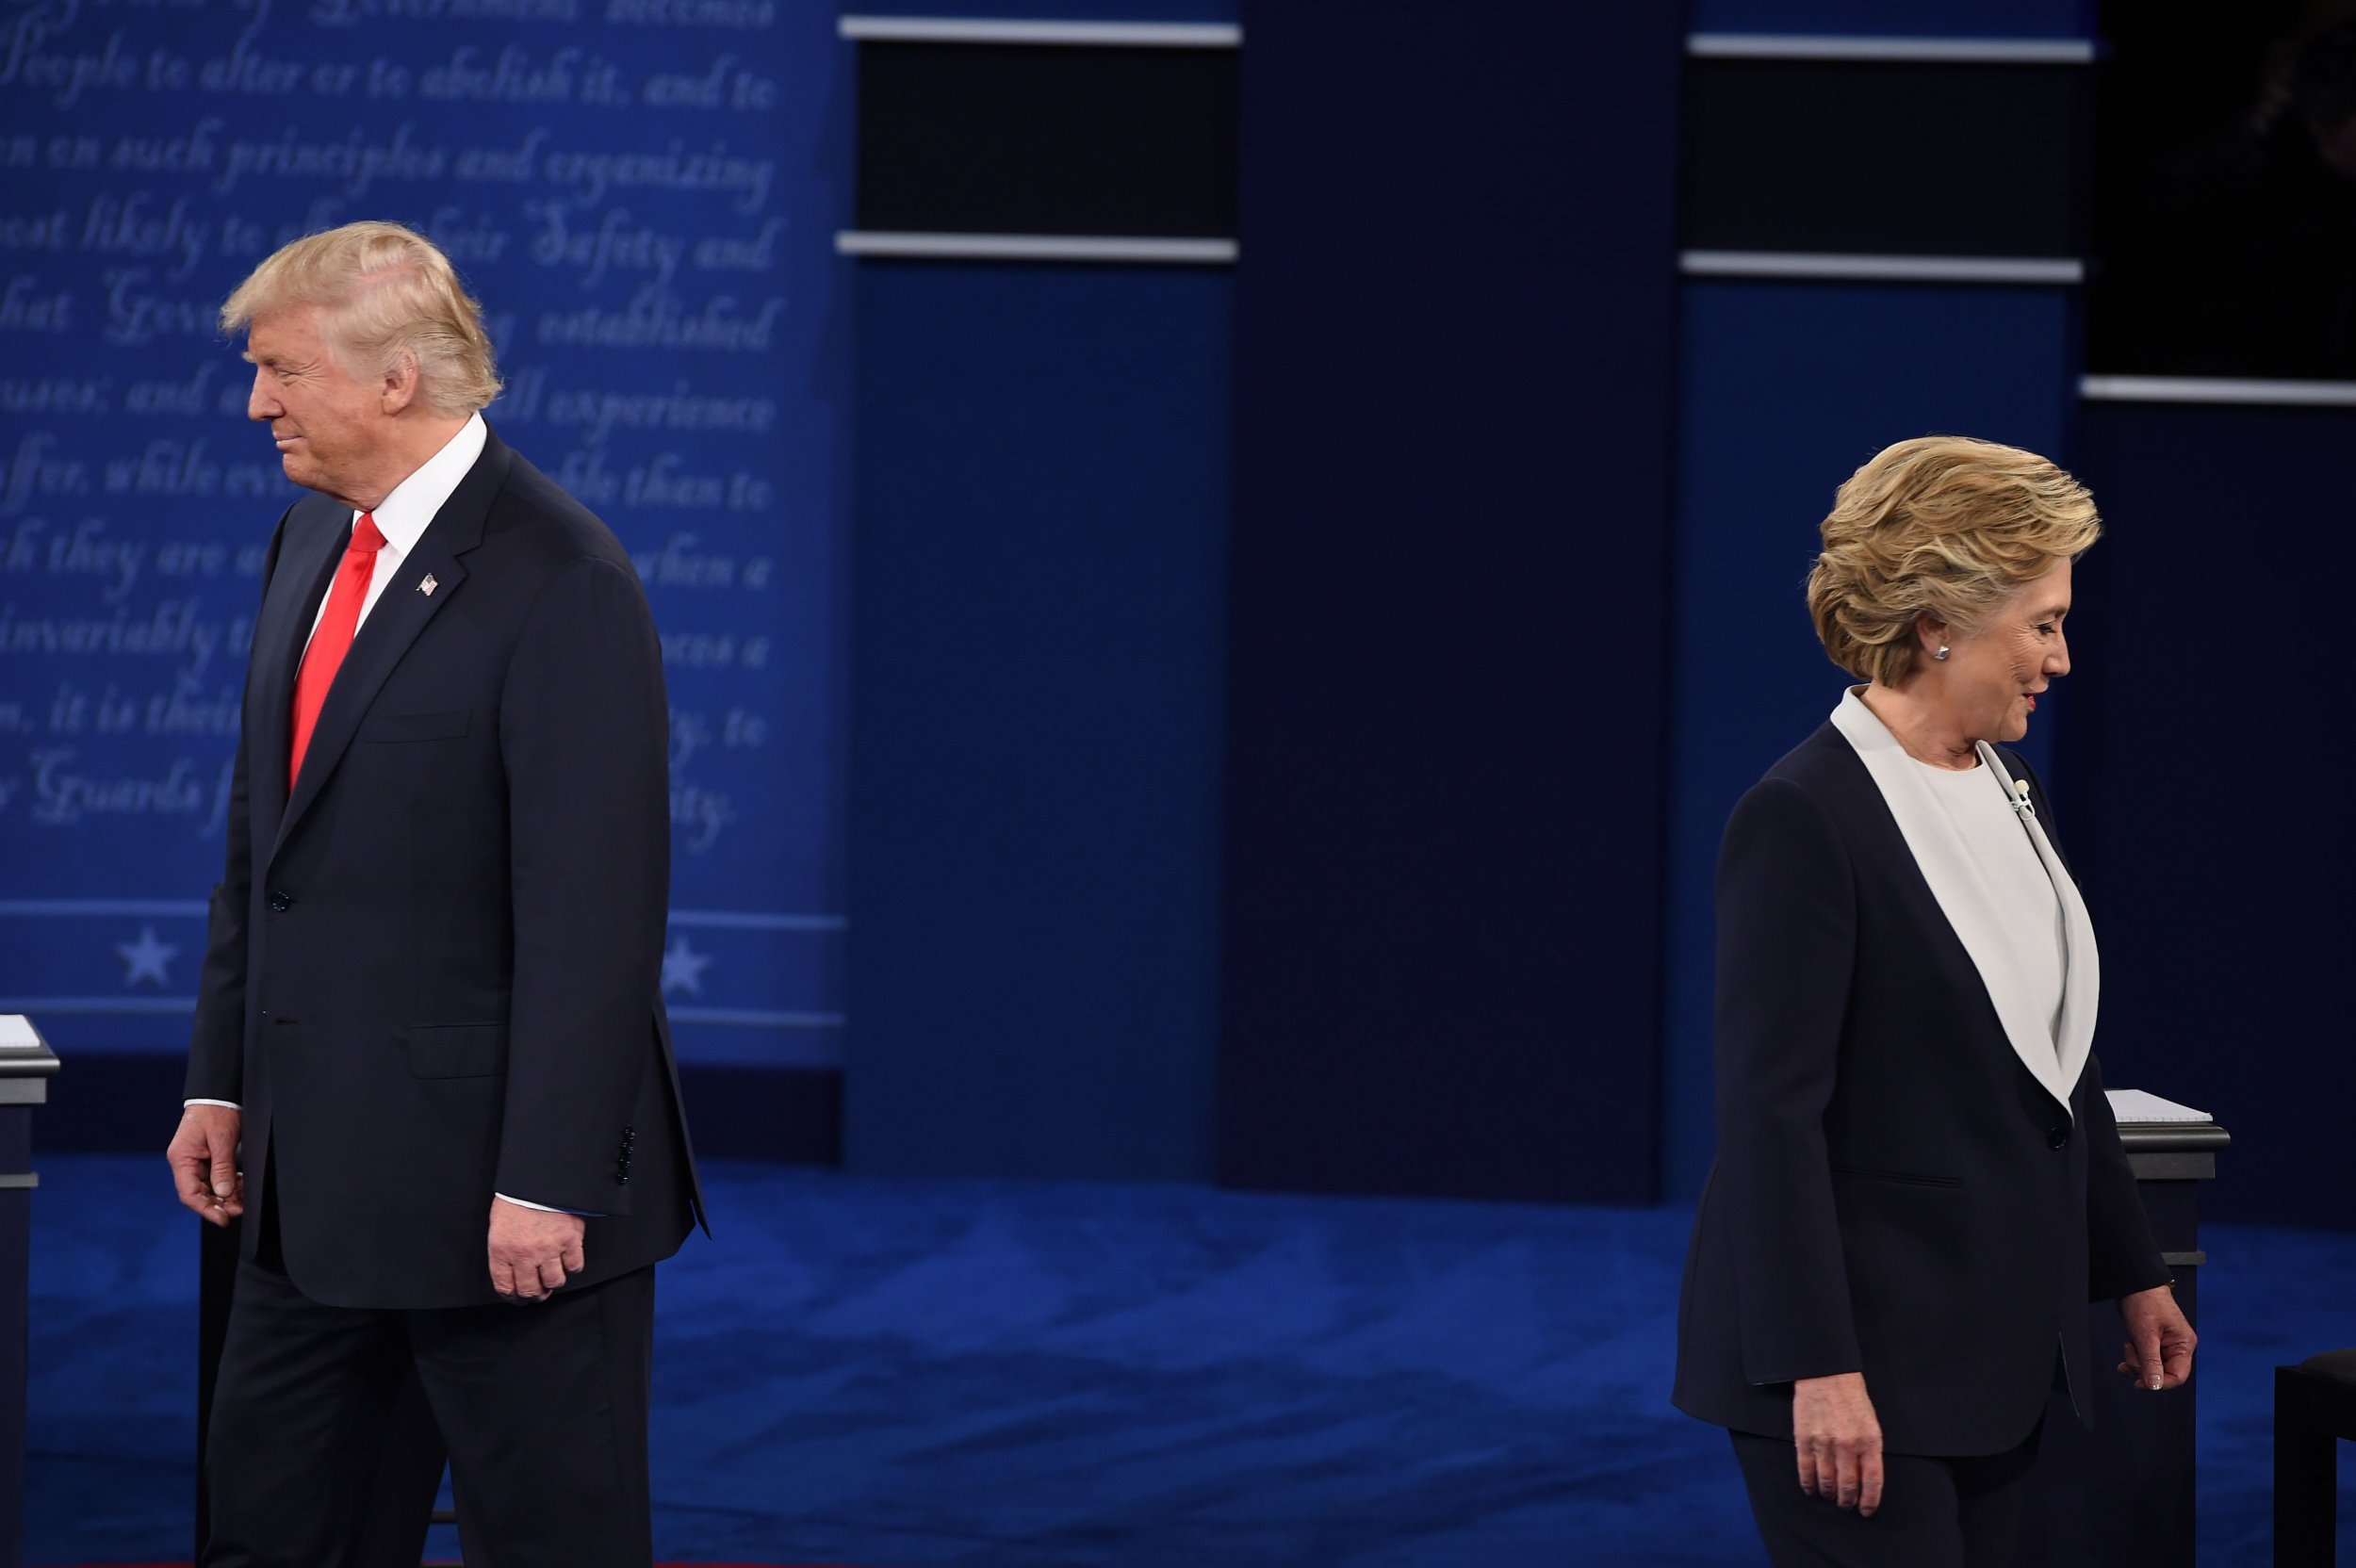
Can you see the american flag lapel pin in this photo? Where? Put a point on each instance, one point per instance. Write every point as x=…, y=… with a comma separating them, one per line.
x=428, y=586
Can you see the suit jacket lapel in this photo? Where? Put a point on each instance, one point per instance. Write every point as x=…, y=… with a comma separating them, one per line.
x=2082, y=962
x=398, y=615
x=316, y=538
x=1905, y=798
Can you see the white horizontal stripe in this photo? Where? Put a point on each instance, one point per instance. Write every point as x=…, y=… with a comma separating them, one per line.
x=162, y=908
x=729, y=919
x=1125, y=34
x=34, y=1004
x=1033, y=247
x=1797, y=264
x=2212, y=390
x=740, y=1017
x=1956, y=51
x=196, y=908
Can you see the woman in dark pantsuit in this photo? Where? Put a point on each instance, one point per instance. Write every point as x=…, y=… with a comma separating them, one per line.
x=1919, y=1183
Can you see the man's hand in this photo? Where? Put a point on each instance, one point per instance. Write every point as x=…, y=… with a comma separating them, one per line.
x=203, y=1158
x=532, y=1253
x=1839, y=1441
x=2158, y=1353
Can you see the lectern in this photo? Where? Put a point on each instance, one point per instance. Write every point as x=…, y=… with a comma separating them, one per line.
x=2121, y=1496
x=26, y=1064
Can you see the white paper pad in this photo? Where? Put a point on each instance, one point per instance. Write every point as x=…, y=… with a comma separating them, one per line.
x=2135, y=1105
x=16, y=1034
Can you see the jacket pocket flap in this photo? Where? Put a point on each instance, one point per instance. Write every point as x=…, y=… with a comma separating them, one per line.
x=457, y=1050
x=1898, y=1178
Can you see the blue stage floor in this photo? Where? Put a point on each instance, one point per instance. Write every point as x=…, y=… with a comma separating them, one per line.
x=905, y=1373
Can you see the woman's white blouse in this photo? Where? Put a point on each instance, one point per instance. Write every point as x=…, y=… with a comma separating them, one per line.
x=2004, y=889
x=1988, y=844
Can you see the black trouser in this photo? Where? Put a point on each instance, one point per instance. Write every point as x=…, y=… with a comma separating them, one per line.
x=1934, y=1513
x=543, y=1408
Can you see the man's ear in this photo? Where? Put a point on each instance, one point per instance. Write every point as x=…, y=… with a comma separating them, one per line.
x=400, y=384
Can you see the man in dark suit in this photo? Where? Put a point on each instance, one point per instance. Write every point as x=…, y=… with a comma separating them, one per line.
x=430, y=1066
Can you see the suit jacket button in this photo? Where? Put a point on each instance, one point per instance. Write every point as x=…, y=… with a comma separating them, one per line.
x=278, y=901
x=2057, y=1138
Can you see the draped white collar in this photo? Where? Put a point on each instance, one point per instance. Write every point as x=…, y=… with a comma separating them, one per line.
x=2054, y=1054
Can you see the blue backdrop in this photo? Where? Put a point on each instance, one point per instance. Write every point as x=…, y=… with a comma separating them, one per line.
x=1758, y=464
x=1162, y=822
x=2214, y=910
x=643, y=192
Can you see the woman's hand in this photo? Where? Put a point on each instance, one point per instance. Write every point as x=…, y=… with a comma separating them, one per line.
x=2158, y=1353
x=1839, y=1441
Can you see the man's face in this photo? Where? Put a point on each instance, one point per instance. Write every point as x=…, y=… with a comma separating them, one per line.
x=333, y=429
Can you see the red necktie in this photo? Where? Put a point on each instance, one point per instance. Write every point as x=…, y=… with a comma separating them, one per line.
x=332, y=639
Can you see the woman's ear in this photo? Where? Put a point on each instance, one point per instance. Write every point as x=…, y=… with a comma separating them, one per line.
x=1933, y=634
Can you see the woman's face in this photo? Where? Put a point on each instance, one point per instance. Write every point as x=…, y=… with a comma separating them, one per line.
x=1991, y=678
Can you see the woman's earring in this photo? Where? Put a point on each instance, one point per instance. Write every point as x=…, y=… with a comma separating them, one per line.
x=1943, y=651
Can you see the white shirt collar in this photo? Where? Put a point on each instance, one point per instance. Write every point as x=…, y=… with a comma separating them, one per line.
x=402, y=516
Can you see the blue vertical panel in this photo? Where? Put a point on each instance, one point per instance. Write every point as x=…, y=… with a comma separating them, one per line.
x=1456, y=334
x=1041, y=482
x=1890, y=18
x=2209, y=817
x=1787, y=388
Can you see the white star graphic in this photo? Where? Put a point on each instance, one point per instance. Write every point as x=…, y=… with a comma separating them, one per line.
x=146, y=958
x=684, y=969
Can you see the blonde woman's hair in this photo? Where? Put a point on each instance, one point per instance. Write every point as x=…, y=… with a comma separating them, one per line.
x=390, y=296
x=1942, y=526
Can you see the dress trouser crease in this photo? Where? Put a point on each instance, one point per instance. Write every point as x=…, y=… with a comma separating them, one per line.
x=543, y=1408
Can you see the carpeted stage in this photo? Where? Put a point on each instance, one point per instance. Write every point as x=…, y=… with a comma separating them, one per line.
x=910, y=1374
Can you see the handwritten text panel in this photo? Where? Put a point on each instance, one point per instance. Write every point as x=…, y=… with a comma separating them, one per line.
x=642, y=194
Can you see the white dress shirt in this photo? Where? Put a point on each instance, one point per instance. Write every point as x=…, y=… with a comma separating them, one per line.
x=403, y=518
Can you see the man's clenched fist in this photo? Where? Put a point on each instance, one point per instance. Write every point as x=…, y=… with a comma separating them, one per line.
x=203, y=1158
x=533, y=1252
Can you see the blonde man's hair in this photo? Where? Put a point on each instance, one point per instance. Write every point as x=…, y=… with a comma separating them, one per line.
x=390, y=296
x=1942, y=526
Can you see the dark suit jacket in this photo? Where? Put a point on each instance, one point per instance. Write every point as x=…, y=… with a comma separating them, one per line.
x=433, y=972
x=1894, y=1192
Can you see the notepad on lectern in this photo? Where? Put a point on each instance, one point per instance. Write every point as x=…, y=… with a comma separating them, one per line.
x=2135, y=1105
x=17, y=1034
